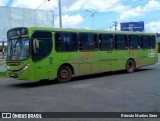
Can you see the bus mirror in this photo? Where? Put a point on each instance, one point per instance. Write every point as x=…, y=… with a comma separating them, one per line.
x=35, y=45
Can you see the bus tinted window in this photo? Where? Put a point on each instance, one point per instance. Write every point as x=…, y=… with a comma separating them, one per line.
x=87, y=41
x=44, y=40
x=106, y=42
x=121, y=42
x=153, y=42
x=145, y=42
x=66, y=42
x=134, y=41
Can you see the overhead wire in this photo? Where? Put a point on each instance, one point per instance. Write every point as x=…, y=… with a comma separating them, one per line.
x=155, y=19
x=9, y=3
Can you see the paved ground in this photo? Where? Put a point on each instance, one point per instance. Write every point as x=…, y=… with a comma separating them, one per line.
x=109, y=92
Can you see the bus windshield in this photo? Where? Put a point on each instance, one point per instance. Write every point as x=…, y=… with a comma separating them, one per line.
x=18, y=49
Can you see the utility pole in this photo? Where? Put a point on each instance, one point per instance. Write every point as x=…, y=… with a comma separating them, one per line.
x=92, y=15
x=3, y=49
x=60, y=16
x=115, y=25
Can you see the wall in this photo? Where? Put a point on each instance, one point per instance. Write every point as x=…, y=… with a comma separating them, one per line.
x=21, y=17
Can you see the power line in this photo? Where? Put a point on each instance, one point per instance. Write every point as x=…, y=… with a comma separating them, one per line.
x=104, y=27
x=117, y=6
x=114, y=5
x=9, y=3
x=42, y=4
x=115, y=23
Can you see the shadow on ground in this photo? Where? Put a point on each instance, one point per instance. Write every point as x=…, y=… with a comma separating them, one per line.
x=79, y=78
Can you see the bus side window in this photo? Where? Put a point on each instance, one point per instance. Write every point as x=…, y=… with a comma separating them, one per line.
x=83, y=41
x=100, y=42
x=145, y=41
x=134, y=41
x=44, y=45
x=106, y=42
x=88, y=41
x=80, y=46
x=121, y=42
x=96, y=42
x=59, y=42
x=66, y=42
x=153, y=42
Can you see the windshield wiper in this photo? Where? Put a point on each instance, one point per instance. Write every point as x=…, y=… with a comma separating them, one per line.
x=11, y=47
x=17, y=41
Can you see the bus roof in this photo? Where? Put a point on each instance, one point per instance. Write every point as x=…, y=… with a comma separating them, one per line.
x=83, y=30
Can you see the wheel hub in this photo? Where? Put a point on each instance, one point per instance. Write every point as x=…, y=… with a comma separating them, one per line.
x=64, y=74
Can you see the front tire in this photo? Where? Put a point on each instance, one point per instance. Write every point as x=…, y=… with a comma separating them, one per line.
x=130, y=66
x=64, y=74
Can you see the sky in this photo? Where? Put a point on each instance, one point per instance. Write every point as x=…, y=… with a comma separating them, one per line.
x=97, y=14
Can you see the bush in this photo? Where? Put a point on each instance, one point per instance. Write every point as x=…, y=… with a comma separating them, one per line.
x=2, y=74
x=1, y=48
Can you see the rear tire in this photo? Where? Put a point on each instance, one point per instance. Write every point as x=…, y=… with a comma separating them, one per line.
x=64, y=74
x=130, y=66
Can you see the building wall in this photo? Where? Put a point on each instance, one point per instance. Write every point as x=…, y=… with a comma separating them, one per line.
x=22, y=17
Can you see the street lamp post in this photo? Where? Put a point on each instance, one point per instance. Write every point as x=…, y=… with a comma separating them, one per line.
x=92, y=15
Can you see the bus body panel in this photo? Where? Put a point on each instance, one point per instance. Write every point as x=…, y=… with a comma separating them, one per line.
x=82, y=62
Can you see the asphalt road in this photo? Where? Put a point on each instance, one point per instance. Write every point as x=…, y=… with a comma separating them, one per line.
x=107, y=92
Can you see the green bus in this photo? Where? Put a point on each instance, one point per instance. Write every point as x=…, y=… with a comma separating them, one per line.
x=36, y=53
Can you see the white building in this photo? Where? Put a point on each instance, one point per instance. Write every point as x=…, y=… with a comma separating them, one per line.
x=22, y=17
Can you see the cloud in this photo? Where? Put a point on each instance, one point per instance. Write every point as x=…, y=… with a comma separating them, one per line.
x=76, y=6
x=152, y=5
x=153, y=27
x=3, y=2
x=130, y=13
x=69, y=21
x=98, y=5
x=36, y=4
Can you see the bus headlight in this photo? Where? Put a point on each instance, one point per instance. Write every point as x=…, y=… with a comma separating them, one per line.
x=25, y=68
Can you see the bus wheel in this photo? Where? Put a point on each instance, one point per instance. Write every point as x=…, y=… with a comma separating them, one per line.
x=64, y=74
x=130, y=66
